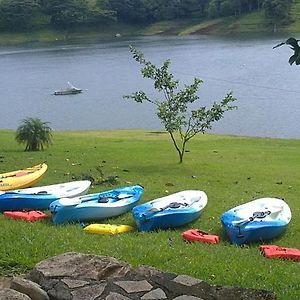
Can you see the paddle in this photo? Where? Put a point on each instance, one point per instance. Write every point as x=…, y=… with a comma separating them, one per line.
x=103, y=198
x=256, y=215
x=172, y=205
x=106, y=198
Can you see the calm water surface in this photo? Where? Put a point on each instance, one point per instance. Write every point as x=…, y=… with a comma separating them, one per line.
x=266, y=87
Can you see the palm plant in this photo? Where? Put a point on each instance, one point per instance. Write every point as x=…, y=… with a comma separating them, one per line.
x=34, y=133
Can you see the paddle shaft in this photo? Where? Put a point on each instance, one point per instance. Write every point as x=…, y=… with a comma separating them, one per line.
x=256, y=215
x=108, y=196
x=178, y=204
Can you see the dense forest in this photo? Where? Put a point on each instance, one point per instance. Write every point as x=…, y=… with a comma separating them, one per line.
x=21, y=15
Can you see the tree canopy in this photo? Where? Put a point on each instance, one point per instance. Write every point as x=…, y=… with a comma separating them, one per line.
x=18, y=15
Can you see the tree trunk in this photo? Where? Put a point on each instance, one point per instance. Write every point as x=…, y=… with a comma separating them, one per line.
x=181, y=157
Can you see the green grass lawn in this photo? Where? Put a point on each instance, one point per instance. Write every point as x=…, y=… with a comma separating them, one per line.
x=231, y=170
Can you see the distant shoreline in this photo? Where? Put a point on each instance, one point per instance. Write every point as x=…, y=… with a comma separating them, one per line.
x=248, y=24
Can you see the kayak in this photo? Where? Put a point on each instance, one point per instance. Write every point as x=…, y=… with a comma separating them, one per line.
x=258, y=220
x=107, y=228
x=39, y=198
x=66, y=189
x=170, y=211
x=96, y=206
x=22, y=178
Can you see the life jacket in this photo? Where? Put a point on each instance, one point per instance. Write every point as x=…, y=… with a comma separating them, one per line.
x=29, y=216
x=273, y=251
x=196, y=235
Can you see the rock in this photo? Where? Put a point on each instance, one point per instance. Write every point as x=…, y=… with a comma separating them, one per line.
x=186, y=280
x=116, y=296
x=186, y=297
x=155, y=294
x=148, y=271
x=29, y=288
x=9, y=294
x=77, y=276
x=78, y=266
x=89, y=292
x=5, y=282
x=135, y=286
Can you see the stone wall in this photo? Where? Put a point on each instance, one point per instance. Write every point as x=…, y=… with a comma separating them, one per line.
x=76, y=276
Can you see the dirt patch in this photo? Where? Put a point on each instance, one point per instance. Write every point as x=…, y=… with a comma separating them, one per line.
x=211, y=29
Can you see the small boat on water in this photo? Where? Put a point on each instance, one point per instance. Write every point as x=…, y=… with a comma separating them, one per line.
x=96, y=206
x=69, y=90
x=258, y=220
x=22, y=178
x=170, y=211
x=39, y=198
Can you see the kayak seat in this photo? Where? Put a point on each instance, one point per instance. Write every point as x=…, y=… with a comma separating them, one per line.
x=103, y=199
x=174, y=205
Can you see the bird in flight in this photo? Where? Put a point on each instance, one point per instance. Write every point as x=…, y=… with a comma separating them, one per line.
x=293, y=43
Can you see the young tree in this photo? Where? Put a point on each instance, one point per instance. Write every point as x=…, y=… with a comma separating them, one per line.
x=34, y=133
x=293, y=43
x=172, y=109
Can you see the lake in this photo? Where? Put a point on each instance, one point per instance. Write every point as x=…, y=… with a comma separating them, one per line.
x=265, y=85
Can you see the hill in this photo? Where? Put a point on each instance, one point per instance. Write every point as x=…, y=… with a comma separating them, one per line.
x=254, y=22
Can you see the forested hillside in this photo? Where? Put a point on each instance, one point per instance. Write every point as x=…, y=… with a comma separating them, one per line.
x=24, y=15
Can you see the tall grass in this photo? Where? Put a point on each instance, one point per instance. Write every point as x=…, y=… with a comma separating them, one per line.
x=231, y=170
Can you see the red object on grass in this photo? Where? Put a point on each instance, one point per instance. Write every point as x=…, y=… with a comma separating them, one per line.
x=196, y=235
x=273, y=251
x=29, y=216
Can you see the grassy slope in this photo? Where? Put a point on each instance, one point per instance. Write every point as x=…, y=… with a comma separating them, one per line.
x=231, y=170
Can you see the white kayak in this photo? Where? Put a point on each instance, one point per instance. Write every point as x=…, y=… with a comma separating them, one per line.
x=258, y=220
x=61, y=190
x=97, y=206
x=39, y=198
x=170, y=211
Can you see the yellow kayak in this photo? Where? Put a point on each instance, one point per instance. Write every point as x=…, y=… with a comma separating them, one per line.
x=107, y=228
x=22, y=178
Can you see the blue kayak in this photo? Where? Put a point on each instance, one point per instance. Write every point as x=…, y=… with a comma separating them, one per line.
x=14, y=201
x=39, y=198
x=96, y=206
x=170, y=211
x=256, y=221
